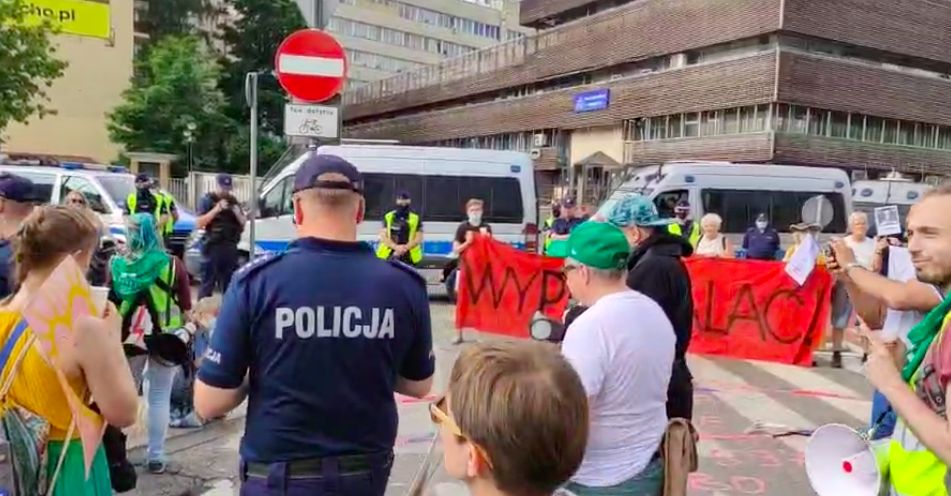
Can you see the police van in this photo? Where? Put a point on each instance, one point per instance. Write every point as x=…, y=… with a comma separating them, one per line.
x=867, y=195
x=440, y=181
x=738, y=193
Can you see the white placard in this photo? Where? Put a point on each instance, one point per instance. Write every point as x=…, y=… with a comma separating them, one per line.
x=803, y=260
x=887, y=221
x=310, y=121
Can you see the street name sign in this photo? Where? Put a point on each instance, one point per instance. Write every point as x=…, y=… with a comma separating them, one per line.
x=311, y=65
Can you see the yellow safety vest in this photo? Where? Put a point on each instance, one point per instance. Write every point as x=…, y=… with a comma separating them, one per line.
x=415, y=254
x=677, y=230
x=162, y=202
x=912, y=469
x=548, y=223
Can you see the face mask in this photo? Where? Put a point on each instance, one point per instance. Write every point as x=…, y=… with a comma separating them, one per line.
x=475, y=218
x=761, y=225
x=211, y=323
x=402, y=207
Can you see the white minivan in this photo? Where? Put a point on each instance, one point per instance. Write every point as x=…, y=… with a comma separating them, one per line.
x=740, y=192
x=871, y=194
x=440, y=181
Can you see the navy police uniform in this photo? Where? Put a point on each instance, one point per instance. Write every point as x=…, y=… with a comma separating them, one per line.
x=219, y=247
x=323, y=331
x=20, y=190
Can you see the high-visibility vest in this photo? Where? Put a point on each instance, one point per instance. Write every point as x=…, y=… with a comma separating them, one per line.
x=160, y=299
x=912, y=468
x=163, y=205
x=415, y=254
x=548, y=223
x=693, y=238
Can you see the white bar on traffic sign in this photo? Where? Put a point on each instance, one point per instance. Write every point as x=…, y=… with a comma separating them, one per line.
x=310, y=66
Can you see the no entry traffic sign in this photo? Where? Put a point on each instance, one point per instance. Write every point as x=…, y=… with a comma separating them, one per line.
x=311, y=65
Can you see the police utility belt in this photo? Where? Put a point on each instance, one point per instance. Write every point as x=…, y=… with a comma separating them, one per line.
x=317, y=467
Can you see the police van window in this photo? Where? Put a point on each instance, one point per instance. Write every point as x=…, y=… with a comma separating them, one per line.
x=739, y=208
x=84, y=186
x=443, y=198
x=277, y=201
x=668, y=200
x=446, y=197
x=42, y=184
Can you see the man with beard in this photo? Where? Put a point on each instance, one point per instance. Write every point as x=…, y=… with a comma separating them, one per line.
x=915, y=380
x=656, y=269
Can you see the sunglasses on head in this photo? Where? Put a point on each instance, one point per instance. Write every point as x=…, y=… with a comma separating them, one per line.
x=440, y=416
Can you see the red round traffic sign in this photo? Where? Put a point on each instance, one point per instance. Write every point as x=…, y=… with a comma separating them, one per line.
x=311, y=65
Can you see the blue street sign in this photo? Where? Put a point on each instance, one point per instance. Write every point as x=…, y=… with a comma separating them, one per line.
x=590, y=101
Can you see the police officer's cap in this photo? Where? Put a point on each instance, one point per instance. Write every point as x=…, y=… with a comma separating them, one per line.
x=318, y=165
x=17, y=188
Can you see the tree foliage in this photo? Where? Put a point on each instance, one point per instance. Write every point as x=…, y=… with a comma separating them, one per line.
x=177, y=86
x=251, y=41
x=28, y=65
x=174, y=17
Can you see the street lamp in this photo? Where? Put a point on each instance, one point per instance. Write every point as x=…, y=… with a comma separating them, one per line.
x=189, y=134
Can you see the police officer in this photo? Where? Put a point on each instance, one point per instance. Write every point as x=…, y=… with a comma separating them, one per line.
x=318, y=338
x=402, y=235
x=221, y=217
x=147, y=201
x=685, y=227
x=17, y=196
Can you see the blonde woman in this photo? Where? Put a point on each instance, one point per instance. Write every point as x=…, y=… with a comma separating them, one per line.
x=712, y=242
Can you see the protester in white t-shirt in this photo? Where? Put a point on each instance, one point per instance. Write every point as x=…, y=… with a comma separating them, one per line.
x=623, y=349
x=862, y=246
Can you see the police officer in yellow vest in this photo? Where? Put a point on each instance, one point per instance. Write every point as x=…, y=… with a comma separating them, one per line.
x=684, y=227
x=916, y=379
x=402, y=235
x=146, y=201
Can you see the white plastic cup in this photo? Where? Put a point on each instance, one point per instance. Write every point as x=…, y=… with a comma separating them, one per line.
x=99, y=297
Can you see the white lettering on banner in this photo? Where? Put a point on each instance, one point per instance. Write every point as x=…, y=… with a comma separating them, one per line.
x=334, y=322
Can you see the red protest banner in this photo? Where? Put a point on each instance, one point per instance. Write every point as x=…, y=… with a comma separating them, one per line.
x=753, y=309
x=502, y=287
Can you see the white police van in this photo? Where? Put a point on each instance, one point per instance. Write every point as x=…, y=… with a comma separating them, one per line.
x=740, y=192
x=440, y=181
x=867, y=195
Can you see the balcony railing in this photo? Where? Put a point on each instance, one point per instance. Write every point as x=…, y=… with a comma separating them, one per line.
x=506, y=54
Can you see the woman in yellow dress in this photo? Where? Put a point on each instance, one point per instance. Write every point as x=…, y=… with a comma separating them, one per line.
x=95, y=365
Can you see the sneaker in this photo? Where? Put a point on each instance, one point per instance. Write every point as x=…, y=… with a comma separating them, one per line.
x=156, y=467
x=190, y=422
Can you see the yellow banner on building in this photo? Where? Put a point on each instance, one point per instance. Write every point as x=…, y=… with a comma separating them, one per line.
x=77, y=17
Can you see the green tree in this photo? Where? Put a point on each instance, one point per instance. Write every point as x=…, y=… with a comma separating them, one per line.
x=174, y=17
x=251, y=41
x=177, y=87
x=27, y=65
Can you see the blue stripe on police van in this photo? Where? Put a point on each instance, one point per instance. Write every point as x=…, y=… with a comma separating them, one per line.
x=436, y=248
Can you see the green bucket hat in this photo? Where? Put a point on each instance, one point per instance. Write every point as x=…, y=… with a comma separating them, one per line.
x=599, y=245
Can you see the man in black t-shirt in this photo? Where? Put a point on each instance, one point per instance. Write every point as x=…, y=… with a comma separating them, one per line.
x=466, y=233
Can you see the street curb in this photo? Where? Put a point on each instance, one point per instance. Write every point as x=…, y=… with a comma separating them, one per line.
x=176, y=434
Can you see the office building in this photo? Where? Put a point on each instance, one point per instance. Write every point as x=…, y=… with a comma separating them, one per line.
x=388, y=37
x=96, y=41
x=857, y=84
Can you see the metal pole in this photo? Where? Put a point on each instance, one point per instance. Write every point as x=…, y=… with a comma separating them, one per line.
x=251, y=93
x=318, y=14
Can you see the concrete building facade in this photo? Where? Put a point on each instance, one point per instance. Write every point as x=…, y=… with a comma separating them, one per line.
x=388, y=37
x=100, y=67
x=856, y=84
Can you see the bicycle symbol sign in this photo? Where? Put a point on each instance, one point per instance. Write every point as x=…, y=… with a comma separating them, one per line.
x=311, y=121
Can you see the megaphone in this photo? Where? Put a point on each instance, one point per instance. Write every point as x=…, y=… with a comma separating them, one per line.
x=840, y=461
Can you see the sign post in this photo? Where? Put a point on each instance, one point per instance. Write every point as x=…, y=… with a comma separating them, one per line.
x=251, y=95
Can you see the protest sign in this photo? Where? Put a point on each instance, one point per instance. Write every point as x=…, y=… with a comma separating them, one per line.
x=500, y=288
x=751, y=309
x=52, y=315
x=887, y=221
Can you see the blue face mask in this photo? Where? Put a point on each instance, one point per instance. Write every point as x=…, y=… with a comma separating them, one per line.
x=211, y=323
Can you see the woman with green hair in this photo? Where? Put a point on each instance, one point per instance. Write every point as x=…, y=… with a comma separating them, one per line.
x=152, y=290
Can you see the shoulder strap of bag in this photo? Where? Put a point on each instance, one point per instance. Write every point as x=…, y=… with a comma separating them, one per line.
x=7, y=351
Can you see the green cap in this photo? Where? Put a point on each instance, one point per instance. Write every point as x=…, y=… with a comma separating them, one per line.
x=599, y=245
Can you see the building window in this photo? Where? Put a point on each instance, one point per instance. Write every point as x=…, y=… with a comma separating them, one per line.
x=709, y=123
x=839, y=124
x=691, y=124
x=874, y=127
x=731, y=121
x=675, y=126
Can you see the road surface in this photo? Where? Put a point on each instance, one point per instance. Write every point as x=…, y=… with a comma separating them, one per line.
x=732, y=396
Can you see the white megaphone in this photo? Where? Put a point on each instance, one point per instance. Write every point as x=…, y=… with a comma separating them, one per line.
x=840, y=461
